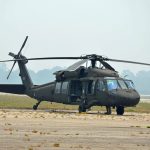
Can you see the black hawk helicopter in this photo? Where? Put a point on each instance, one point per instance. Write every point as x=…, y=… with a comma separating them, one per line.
x=78, y=84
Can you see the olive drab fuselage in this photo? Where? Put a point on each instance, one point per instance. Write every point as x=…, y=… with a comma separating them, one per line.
x=94, y=87
x=81, y=85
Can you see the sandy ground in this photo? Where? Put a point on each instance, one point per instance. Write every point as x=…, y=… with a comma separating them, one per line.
x=34, y=130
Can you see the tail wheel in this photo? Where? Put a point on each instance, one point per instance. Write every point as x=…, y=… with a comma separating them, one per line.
x=120, y=110
x=36, y=105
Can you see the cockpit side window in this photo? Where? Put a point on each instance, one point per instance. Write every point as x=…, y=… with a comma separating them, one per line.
x=100, y=86
x=91, y=87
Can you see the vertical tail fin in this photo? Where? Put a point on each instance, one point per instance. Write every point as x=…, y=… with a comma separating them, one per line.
x=24, y=74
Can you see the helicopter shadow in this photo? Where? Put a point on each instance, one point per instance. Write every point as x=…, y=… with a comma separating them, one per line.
x=90, y=112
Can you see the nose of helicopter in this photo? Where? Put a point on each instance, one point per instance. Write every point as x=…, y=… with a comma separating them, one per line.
x=125, y=97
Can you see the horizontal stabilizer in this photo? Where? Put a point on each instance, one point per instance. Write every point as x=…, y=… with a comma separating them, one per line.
x=12, y=88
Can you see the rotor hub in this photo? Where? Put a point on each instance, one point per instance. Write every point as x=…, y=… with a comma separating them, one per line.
x=94, y=58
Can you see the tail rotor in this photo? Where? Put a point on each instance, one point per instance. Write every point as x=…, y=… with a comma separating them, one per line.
x=17, y=56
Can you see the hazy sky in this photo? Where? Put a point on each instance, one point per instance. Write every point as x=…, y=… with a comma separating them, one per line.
x=115, y=28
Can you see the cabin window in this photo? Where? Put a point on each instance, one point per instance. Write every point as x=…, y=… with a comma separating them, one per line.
x=75, y=87
x=64, y=88
x=58, y=87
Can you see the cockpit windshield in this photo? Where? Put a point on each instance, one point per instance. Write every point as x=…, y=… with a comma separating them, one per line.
x=122, y=84
x=130, y=84
x=113, y=84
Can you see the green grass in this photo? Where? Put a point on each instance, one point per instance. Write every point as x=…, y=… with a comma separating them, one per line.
x=142, y=107
x=23, y=102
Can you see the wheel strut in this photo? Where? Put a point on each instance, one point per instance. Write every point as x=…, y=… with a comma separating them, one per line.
x=36, y=105
x=82, y=106
x=108, y=110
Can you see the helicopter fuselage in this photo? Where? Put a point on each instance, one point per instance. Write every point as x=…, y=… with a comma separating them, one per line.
x=95, y=91
x=85, y=86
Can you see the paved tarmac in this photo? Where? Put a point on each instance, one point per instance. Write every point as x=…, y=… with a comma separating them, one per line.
x=69, y=130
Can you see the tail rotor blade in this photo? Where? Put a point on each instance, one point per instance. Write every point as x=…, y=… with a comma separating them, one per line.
x=11, y=69
x=23, y=45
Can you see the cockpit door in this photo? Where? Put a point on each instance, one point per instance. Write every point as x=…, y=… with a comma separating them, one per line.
x=101, y=92
x=88, y=90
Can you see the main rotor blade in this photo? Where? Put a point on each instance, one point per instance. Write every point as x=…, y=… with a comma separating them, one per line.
x=23, y=45
x=11, y=69
x=41, y=58
x=7, y=60
x=126, y=61
x=45, y=58
x=51, y=58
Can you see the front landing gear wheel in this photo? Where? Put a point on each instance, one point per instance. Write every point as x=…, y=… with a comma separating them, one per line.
x=120, y=110
x=82, y=108
x=34, y=107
